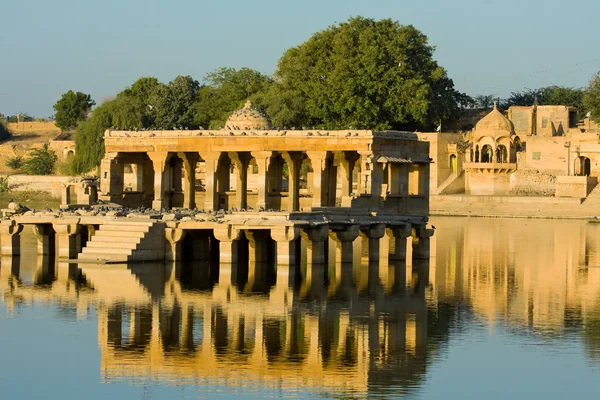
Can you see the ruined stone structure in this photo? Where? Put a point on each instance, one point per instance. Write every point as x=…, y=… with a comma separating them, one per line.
x=262, y=205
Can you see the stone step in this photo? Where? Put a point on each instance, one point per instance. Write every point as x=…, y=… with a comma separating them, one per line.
x=89, y=250
x=129, y=223
x=124, y=228
x=116, y=233
x=111, y=245
x=112, y=238
x=103, y=257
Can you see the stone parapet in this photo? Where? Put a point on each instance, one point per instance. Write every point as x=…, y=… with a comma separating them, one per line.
x=575, y=186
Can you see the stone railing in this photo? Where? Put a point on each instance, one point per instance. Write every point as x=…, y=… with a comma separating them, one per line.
x=279, y=132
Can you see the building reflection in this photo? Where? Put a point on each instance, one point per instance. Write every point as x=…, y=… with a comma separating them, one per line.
x=163, y=322
x=538, y=277
x=353, y=333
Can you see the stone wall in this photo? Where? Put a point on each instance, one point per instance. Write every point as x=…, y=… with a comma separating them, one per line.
x=575, y=186
x=33, y=126
x=487, y=183
x=546, y=154
x=532, y=183
x=45, y=183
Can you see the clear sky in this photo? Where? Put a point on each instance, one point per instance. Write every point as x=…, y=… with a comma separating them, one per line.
x=100, y=47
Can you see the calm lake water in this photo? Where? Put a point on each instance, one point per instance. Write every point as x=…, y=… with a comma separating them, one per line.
x=508, y=309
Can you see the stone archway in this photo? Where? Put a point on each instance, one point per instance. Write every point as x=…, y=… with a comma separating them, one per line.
x=453, y=163
x=487, y=154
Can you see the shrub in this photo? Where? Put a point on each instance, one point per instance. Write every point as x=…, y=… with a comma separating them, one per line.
x=4, y=184
x=15, y=162
x=4, y=132
x=41, y=161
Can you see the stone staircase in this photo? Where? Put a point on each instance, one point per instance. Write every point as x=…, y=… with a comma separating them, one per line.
x=593, y=199
x=125, y=240
x=448, y=182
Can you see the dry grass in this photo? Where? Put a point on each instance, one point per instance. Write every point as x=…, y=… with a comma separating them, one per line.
x=34, y=200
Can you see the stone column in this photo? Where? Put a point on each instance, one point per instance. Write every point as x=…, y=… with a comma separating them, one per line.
x=420, y=243
x=111, y=182
x=316, y=238
x=344, y=257
x=189, y=188
x=174, y=237
x=45, y=238
x=69, y=239
x=10, y=238
x=241, y=161
x=374, y=233
x=257, y=258
x=293, y=161
x=158, y=162
x=398, y=235
x=263, y=160
x=228, y=260
x=211, y=164
x=285, y=239
x=318, y=161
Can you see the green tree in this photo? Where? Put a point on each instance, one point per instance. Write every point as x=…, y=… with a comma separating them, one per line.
x=41, y=161
x=139, y=98
x=172, y=105
x=226, y=90
x=71, y=109
x=548, y=95
x=591, y=98
x=366, y=74
x=484, y=101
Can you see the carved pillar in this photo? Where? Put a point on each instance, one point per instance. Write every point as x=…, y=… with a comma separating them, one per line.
x=263, y=160
x=257, y=258
x=285, y=239
x=420, y=243
x=241, y=160
x=228, y=260
x=374, y=233
x=45, y=238
x=318, y=161
x=398, y=235
x=174, y=237
x=344, y=256
x=10, y=238
x=69, y=238
x=316, y=240
x=211, y=163
x=293, y=161
x=189, y=189
x=158, y=162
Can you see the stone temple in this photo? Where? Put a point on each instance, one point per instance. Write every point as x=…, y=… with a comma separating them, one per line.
x=283, y=202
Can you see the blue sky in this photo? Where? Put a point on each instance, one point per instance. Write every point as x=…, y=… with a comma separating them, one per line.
x=100, y=47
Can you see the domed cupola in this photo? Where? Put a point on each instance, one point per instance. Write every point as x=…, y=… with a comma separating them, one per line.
x=248, y=118
x=495, y=125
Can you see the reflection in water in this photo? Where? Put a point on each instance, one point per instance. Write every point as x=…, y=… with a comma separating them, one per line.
x=175, y=323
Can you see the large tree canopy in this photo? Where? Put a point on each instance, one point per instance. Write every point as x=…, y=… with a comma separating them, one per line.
x=226, y=90
x=172, y=105
x=71, y=109
x=362, y=73
x=591, y=99
x=549, y=95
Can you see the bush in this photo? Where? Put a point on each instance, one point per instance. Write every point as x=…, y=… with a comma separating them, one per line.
x=4, y=132
x=41, y=161
x=15, y=162
x=4, y=184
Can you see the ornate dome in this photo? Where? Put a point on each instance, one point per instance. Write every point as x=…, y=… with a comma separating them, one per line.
x=495, y=124
x=248, y=118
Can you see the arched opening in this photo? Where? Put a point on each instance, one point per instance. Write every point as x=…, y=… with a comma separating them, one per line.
x=453, y=163
x=583, y=166
x=487, y=154
x=518, y=145
x=472, y=154
x=70, y=154
x=501, y=154
x=477, y=153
